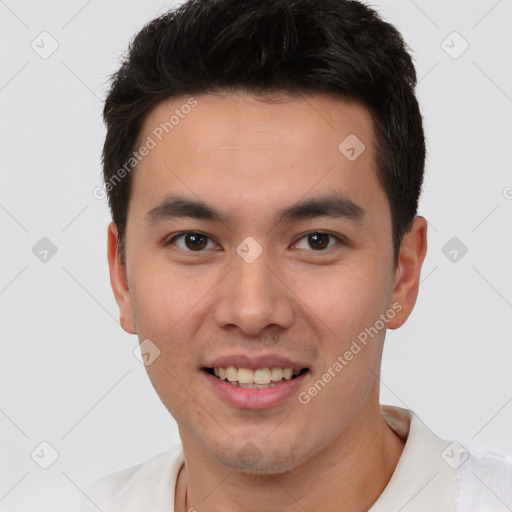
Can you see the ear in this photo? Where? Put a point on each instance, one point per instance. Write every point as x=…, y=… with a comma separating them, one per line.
x=118, y=281
x=407, y=274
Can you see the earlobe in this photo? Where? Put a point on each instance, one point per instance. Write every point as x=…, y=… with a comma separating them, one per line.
x=118, y=281
x=407, y=275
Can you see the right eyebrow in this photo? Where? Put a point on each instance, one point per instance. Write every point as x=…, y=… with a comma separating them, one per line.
x=180, y=207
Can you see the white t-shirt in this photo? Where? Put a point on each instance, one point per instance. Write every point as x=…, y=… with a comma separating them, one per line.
x=432, y=475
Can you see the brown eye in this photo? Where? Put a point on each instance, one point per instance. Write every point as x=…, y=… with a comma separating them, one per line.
x=190, y=241
x=195, y=241
x=317, y=241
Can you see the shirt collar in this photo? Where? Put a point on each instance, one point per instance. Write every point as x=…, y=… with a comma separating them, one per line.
x=423, y=480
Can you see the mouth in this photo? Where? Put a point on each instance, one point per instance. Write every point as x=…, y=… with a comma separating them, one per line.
x=259, y=378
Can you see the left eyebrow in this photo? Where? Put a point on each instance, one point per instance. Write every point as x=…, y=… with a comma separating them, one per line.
x=335, y=205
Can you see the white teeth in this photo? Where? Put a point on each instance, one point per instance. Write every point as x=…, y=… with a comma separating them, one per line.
x=287, y=373
x=260, y=378
x=259, y=386
x=245, y=376
x=277, y=374
x=231, y=373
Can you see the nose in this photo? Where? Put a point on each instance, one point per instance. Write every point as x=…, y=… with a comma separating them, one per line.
x=253, y=297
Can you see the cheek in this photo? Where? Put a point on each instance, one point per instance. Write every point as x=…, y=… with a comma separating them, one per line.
x=165, y=306
x=164, y=297
x=350, y=304
x=345, y=300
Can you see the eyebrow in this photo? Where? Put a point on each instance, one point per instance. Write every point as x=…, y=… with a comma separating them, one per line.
x=334, y=205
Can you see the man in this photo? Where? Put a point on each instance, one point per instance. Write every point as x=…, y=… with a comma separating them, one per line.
x=263, y=162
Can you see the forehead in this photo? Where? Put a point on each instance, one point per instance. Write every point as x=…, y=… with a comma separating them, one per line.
x=238, y=149
x=229, y=120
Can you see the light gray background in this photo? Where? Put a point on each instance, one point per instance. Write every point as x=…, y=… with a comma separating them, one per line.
x=68, y=373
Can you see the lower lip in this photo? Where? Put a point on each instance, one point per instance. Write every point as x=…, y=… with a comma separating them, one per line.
x=255, y=398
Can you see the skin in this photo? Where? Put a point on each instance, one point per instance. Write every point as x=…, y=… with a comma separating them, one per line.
x=250, y=158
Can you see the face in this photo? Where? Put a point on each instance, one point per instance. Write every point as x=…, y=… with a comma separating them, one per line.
x=257, y=247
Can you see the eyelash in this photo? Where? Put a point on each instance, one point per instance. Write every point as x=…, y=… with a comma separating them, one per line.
x=184, y=233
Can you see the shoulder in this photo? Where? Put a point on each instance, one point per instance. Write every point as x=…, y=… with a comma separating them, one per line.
x=137, y=487
x=485, y=483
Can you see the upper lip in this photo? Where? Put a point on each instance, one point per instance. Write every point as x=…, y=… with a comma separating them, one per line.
x=254, y=362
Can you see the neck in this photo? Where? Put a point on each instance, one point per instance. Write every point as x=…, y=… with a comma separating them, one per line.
x=350, y=474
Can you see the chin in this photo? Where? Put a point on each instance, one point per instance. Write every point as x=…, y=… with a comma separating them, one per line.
x=257, y=458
